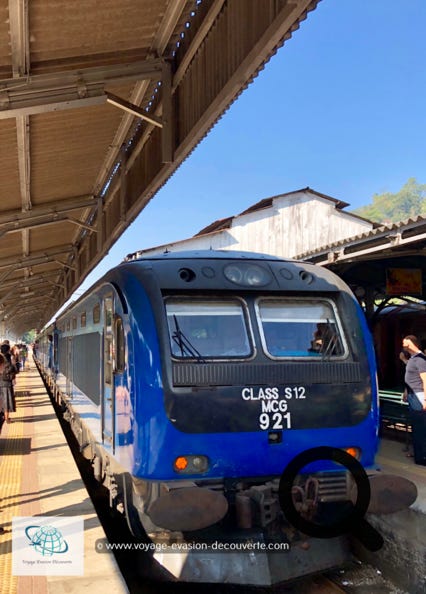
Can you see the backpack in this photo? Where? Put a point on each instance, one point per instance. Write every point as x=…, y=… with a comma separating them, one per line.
x=9, y=371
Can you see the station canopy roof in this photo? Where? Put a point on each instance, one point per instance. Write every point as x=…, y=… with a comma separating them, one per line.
x=381, y=265
x=99, y=103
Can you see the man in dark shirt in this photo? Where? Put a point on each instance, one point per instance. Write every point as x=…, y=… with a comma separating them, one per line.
x=415, y=394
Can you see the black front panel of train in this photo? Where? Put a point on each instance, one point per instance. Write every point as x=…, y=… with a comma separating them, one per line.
x=277, y=357
x=267, y=397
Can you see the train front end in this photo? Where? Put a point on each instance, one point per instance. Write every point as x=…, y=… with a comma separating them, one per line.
x=254, y=361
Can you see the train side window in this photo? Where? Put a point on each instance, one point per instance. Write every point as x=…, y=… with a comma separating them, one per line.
x=120, y=361
x=108, y=340
x=97, y=314
x=83, y=320
x=207, y=329
x=302, y=328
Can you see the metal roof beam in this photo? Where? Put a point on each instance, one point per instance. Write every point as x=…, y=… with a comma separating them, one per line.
x=42, y=221
x=23, y=298
x=133, y=109
x=36, y=258
x=35, y=279
x=42, y=93
x=45, y=104
x=170, y=20
x=19, y=41
x=18, y=28
x=17, y=309
x=65, y=264
x=24, y=161
x=49, y=208
x=168, y=25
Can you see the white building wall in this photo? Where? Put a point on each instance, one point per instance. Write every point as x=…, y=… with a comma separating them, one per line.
x=294, y=224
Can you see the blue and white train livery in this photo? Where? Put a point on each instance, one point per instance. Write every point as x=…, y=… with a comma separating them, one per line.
x=192, y=379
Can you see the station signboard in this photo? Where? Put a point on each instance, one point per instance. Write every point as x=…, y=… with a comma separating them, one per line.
x=404, y=281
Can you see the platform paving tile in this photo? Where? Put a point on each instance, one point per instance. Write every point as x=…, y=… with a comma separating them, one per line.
x=38, y=477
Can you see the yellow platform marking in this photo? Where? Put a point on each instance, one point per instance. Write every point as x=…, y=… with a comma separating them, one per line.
x=11, y=460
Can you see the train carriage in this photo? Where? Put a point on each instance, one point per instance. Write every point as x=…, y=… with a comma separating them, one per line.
x=191, y=380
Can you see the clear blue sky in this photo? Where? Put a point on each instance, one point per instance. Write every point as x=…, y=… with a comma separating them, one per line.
x=340, y=108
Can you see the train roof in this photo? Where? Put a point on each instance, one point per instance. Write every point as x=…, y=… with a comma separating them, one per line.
x=321, y=273
x=205, y=254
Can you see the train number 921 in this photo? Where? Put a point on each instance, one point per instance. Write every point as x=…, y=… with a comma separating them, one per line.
x=274, y=403
x=274, y=421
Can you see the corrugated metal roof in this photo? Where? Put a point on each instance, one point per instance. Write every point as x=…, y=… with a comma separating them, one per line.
x=75, y=169
x=383, y=237
x=216, y=226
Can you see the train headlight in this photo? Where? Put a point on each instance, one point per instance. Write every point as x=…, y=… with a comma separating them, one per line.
x=191, y=464
x=353, y=451
x=246, y=274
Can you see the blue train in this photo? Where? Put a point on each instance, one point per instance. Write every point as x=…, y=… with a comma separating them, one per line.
x=192, y=379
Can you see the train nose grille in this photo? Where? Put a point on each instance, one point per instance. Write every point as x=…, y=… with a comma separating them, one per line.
x=333, y=486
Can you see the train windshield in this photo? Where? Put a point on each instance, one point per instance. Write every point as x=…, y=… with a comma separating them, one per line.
x=299, y=328
x=210, y=329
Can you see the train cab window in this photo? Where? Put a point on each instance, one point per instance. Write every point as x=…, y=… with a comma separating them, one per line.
x=300, y=328
x=207, y=329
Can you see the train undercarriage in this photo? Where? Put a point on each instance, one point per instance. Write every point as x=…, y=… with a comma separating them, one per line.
x=231, y=531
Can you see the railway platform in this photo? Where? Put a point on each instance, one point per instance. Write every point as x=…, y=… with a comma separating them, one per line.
x=39, y=477
x=402, y=559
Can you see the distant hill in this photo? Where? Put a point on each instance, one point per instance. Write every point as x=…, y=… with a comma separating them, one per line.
x=409, y=202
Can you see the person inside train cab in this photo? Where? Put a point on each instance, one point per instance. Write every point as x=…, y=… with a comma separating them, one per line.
x=317, y=342
x=415, y=395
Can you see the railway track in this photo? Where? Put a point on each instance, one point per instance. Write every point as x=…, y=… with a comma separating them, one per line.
x=144, y=576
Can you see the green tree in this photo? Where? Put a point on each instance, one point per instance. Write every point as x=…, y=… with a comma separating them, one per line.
x=29, y=336
x=409, y=202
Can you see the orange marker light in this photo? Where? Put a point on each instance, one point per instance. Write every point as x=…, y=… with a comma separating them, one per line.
x=181, y=463
x=353, y=452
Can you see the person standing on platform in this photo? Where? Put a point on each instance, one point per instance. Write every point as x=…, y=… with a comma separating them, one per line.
x=23, y=354
x=415, y=395
x=3, y=389
x=2, y=406
x=6, y=381
x=404, y=357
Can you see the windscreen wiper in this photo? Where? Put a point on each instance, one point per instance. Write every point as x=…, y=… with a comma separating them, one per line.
x=184, y=344
x=330, y=341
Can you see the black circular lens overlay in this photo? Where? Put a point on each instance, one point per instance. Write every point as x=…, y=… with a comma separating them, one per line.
x=354, y=521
